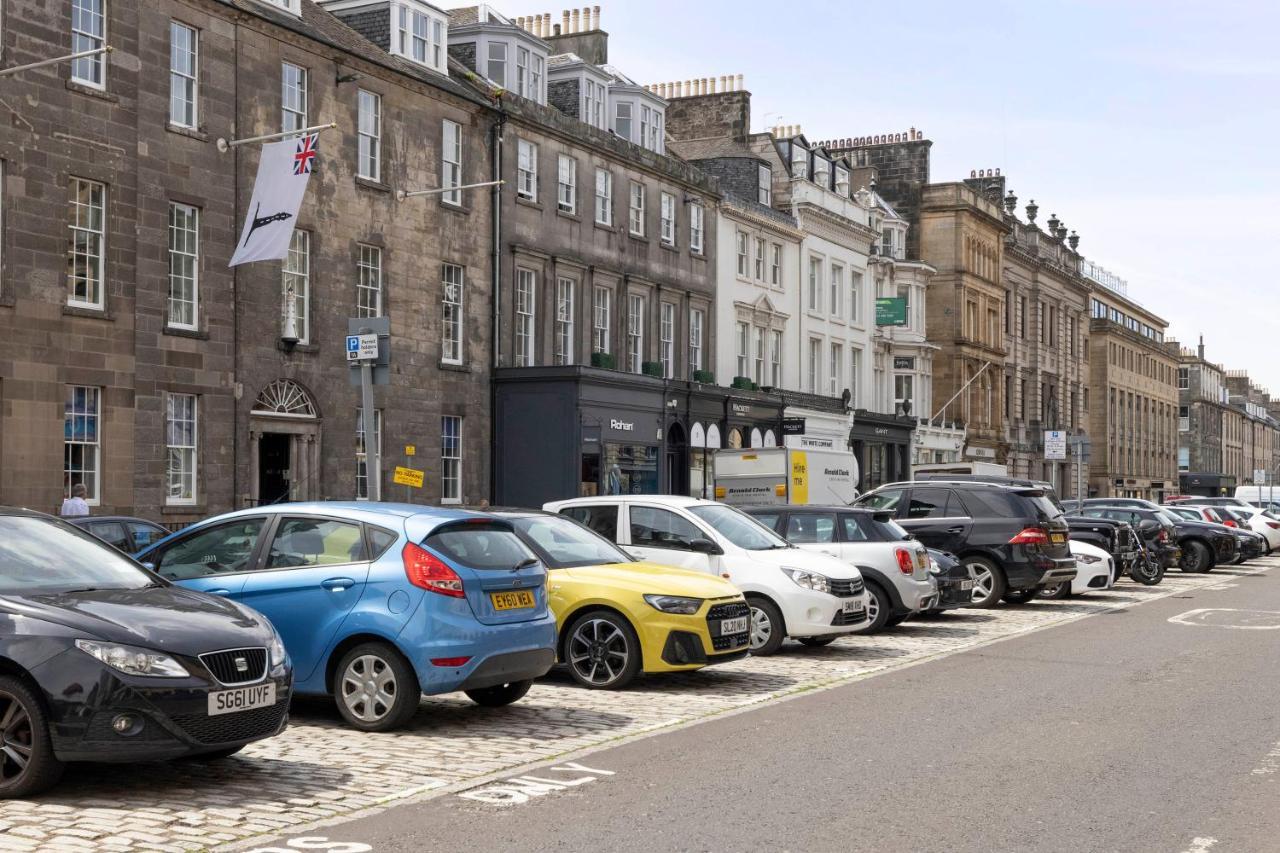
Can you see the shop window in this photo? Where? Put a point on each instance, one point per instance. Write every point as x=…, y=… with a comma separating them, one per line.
x=630, y=469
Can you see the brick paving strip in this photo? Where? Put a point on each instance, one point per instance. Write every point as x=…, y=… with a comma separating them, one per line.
x=318, y=770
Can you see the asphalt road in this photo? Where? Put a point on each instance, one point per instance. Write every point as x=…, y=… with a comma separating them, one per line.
x=1119, y=732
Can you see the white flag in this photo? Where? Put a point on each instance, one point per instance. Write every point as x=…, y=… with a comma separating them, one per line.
x=283, y=173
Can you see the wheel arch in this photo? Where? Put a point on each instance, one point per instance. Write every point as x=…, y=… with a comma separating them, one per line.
x=880, y=579
x=346, y=644
x=769, y=598
x=1211, y=552
x=589, y=607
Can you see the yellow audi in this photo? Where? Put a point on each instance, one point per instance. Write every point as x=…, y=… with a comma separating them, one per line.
x=618, y=617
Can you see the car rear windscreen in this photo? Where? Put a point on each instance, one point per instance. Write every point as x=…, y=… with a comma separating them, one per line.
x=480, y=545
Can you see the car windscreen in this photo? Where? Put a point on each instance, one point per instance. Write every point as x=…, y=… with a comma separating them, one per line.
x=873, y=527
x=480, y=545
x=1045, y=508
x=738, y=527
x=39, y=556
x=563, y=543
x=1166, y=517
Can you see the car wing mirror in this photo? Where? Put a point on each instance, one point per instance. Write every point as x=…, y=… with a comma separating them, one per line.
x=705, y=546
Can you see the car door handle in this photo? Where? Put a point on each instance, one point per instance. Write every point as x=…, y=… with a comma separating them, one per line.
x=219, y=591
x=956, y=529
x=337, y=584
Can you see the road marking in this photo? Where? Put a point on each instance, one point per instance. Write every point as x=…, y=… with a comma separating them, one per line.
x=520, y=789
x=316, y=842
x=1227, y=617
x=1200, y=845
x=1270, y=763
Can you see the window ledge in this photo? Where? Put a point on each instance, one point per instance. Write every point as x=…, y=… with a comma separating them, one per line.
x=184, y=509
x=100, y=94
x=307, y=348
x=694, y=253
x=463, y=209
x=371, y=184
x=189, y=132
x=639, y=238
x=454, y=368
x=92, y=313
x=670, y=247
x=604, y=226
x=177, y=332
x=528, y=202
x=568, y=214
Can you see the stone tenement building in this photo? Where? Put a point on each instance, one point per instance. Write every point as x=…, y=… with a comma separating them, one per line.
x=1257, y=427
x=1134, y=395
x=177, y=393
x=1204, y=419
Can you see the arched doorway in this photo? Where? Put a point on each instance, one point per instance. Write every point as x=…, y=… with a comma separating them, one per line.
x=284, y=445
x=735, y=439
x=677, y=461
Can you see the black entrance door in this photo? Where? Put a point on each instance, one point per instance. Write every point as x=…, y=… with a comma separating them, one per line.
x=273, y=468
x=677, y=461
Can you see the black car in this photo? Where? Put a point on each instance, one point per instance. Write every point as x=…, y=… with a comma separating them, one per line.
x=1248, y=543
x=1117, y=538
x=1158, y=530
x=954, y=580
x=1013, y=537
x=122, y=532
x=105, y=661
x=1076, y=506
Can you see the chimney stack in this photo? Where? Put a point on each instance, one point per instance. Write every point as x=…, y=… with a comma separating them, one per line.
x=1200, y=349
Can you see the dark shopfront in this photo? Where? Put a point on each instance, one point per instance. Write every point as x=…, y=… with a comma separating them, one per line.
x=882, y=446
x=1206, y=485
x=563, y=432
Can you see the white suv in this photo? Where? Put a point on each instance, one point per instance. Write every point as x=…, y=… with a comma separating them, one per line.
x=812, y=598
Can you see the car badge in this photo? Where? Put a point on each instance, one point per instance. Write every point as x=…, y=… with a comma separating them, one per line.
x=517, y=583
x=242, y=665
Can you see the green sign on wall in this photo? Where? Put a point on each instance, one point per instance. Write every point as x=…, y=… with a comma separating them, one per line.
x=891, y=311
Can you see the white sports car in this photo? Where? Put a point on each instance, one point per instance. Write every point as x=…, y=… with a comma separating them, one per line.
x=1095, y=569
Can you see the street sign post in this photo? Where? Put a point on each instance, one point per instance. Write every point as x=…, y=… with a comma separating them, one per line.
x=369, y=349
x=1259, y=476
x=362, y=347
x=1055, y=445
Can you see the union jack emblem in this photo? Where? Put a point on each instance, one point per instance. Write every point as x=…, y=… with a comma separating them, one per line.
x=302, y=160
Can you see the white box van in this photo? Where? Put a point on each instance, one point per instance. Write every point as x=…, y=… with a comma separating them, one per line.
x=786, y=475
x=1259, y=496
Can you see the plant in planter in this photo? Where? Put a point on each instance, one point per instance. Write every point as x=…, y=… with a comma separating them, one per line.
x=743, y=383
x=603, y=360
x=651, y=368
x=704, y=376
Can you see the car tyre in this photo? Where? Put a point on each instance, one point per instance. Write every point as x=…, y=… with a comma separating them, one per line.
x=1195, y=558
x=988, y=581
x=602, y=639
x=879, y=607
x=816, y=642
x=375, y=688
x=767, y=628
x=1021, y=596
x=500, y=695
x=27, y=763
x=1056, y=591
x=896, y=620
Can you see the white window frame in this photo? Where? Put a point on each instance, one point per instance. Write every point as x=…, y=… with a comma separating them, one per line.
x=368, y=280
x=601, y=306
x=836, y=369
x=667, y=218
x=842, y=180
x=855, y=376
x=760, y=259
x=362, y=469
x=565, y=302
x=526, y=308
x=758, y=347
x=604, y=197
x=775, y=264
x=855, y=296
x=697, y=227
x=293, y=97
x=453, y=286
x=451, y=161
x=182, y=451
x=837, y=291
x=184, y=82
x=527, y=169
x=764, y=185
x=667, y=340
x=696, y=321
x=816, y=267
x=369, y=135
x=89, y=32
x=775, y=358
x=94, y=236
x=743, y=244
x=85, y=415
x=635, y=332
x=636, y=209
x=296, y=269
x=815, y=366
x=567, y=184
x=743, y=339
x=184, y=265
x=451, y=459
x=491, y=60
x=821, y=171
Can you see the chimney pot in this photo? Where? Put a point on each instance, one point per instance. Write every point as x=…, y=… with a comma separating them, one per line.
x=564, y=23
x=575, y=21
x=737, y=83
x=595, y=17
x=586, y=19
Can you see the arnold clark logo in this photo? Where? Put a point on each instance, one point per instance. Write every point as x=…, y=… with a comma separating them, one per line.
x=621, y=425
x=836, y=472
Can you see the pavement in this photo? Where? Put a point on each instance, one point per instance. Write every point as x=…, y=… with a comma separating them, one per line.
x=1099, y=725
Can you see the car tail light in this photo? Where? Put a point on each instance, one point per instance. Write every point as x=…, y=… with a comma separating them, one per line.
x=1031, y=536
x=1230, y=523
x=426, y=571
x=1162, y=536
x=449, y=662
x=1274, y=525
x=906, y=563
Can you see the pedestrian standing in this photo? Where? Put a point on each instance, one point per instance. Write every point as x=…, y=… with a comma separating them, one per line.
x=76, y=504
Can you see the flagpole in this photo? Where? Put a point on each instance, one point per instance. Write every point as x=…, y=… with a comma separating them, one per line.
x=69, y=57
x=401, y=195
x=224, y=144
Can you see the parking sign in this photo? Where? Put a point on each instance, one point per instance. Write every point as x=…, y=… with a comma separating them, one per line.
x=361, y=347
x=1055, y=444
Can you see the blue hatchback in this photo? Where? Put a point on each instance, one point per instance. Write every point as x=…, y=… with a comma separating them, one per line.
x=379, y=603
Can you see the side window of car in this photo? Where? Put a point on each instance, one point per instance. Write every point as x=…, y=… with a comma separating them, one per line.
x=804, y=528
x=301, y=542
x=603, y=519
x=853, y=531
x=986, y=503
x=932, y=503
x=219, y=550
x=768, y=519
x=661, y=528
x=887, y=499
x=379, y=541
x=111, y=532
x=145, y=534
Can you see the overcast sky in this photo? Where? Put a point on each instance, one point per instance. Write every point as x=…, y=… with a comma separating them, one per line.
x=1148, y=127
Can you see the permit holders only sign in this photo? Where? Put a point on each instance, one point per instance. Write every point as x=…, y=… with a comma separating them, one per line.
x=362, y=347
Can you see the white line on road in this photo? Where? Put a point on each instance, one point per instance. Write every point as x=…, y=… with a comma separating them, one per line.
x=1200, y=845
x=1241, y=620
x=1270, y=763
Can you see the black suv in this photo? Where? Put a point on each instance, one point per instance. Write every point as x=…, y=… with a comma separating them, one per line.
x=1014, y=538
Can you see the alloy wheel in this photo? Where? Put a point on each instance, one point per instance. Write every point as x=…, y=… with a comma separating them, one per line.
x=873, y=604
x=1050, y=591
x=369, y=688
x=983, y=581
x=761, y=628
x=17, y=739
x=599, y=651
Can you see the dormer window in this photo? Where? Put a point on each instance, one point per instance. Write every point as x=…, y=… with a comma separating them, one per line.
x=593, y=103
x=622, y=120
x=765, y=179
x=822, y=172
x=528, y=74
x=420, y=36
x=799, y=160
x=496, y=70
x=842, y=181
x=291, y=6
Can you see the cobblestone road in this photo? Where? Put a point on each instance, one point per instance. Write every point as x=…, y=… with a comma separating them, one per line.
x=319, y=770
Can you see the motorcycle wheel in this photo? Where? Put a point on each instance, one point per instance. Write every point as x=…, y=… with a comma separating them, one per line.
x=1148, y=571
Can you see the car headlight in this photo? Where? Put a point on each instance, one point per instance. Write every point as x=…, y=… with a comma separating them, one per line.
x=132, y=660
x=276, y=649
x=1088, y=558
x=809, y=580
x=674, y=604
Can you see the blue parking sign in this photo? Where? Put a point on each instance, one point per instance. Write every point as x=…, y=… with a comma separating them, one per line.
x=353, y=343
